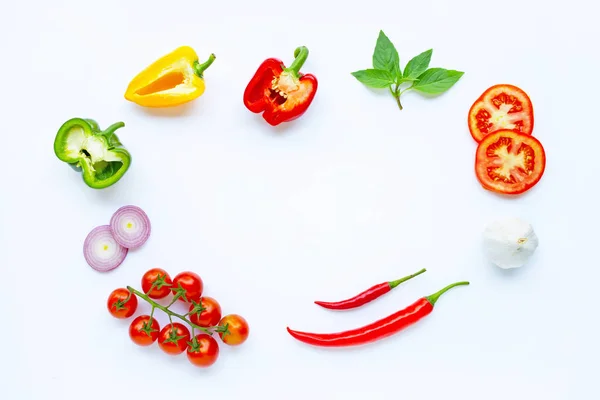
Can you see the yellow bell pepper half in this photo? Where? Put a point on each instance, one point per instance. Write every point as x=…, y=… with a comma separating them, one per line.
x=173, y=79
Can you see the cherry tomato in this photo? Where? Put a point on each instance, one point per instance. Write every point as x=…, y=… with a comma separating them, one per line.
x=119, y=306
x=191, y=282
x=204, y=351
x=160, y=279
x=142, y=332
x=501, y=107
x=173, y=339
x=509, y=162
x=237, y=327
x=211, y=314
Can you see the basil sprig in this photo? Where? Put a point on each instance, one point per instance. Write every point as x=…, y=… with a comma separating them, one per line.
x=417, y=75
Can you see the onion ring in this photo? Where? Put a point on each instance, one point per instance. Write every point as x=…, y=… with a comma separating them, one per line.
x=130, y=226
x=101, y=251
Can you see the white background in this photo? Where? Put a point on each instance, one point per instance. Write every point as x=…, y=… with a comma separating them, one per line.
x=352, y=194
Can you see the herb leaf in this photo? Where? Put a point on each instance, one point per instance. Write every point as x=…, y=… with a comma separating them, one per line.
x=374, y=78
x=437, y=80
x=387, y=73
x=385, y=56
x=417, y=65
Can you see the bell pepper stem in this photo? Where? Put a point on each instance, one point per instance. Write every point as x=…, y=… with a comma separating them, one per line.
x=434, y=297
x=200, y=68
x=300, y=56
x=395, y=283
x=111, y=129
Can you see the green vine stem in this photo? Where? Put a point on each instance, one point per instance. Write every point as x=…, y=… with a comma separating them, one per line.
x=209, y=330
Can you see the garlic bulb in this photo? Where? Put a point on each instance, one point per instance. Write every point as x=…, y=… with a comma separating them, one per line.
x=510, y=242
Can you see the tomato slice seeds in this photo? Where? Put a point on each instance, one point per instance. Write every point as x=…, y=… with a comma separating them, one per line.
x=501, y=107
x=509, y=162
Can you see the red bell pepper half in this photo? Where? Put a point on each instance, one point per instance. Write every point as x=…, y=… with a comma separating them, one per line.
x=281, y=94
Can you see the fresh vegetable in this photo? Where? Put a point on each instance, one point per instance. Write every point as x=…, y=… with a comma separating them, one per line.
x=386, y=72
x=166, y=309
x=156, y=283
x=206, y=312
x=235, y=329
x=143, y=330
x=99, y=155
x=501, y=107
x=130, y=226
x=509, y=242
x=377, y=330
x=190, y=334
x=281, y=94
x=187, y=286
x=509, y=162
x=106, y=246
x=368, y=295
x=121, y=303
x=173, y=79
x=101, y=250
x=173, y=338
x=203, y=350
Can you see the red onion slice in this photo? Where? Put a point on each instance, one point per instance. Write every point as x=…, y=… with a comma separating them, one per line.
x=101, y=250
x=130, y=226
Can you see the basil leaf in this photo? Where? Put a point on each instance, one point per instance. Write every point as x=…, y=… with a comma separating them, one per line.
x=417, y=65
x=374, y=78
x=437, y=80
x=385, y=56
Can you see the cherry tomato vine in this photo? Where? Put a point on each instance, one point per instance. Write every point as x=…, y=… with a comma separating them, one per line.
x=204, y=315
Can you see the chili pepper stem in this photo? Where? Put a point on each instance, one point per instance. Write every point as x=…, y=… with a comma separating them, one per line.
x=395, y=283
x=300, y=56
x=200, y=68
x=434, y=297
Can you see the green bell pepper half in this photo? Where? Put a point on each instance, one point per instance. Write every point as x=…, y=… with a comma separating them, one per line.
x=98, y=155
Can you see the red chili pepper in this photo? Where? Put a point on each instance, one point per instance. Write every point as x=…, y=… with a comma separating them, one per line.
x=368, y=295
x=281, y=94
x=378, y=329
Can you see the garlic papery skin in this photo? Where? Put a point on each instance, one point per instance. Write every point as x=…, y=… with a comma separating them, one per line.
x=510, y=242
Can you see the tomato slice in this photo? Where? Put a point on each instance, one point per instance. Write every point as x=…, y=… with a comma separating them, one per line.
x=501, y=107
x=509, y=162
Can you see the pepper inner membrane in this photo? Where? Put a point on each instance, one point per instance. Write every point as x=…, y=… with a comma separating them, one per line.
x=165, y=82
x=276, y=97
x=102, y=169
x=106, y=169
x=266, y=84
